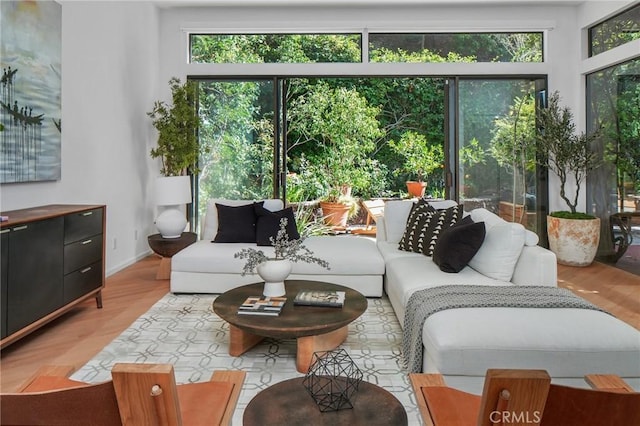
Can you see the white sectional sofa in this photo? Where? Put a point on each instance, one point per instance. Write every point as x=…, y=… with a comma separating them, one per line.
x=460, y=343
x=206, y=267
x=463, y=343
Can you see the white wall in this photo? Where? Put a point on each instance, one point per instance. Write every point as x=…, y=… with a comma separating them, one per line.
x=109, y=81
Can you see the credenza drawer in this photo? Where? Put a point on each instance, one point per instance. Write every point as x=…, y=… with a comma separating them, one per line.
x=82, y=225
x=82, y=253
x=82, y=281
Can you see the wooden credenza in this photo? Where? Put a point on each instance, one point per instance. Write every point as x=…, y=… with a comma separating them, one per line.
x=53, y=257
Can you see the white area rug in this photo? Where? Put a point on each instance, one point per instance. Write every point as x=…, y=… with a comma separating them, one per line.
x=183, y=330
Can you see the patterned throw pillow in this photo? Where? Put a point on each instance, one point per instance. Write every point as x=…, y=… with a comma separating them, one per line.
x=438, y=222
x=424, y=226
x=413, y=237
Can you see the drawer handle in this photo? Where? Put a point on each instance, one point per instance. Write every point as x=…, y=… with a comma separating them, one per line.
x=20, y=228
x=4, y=231
x=87, y=242
x=87, y=269
x=87, y=213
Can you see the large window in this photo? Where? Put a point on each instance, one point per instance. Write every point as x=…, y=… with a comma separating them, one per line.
x=613, y=104
x=308, y=138
x=275, y=48
x=383, y=47
x=456, y=47
x=615, y=31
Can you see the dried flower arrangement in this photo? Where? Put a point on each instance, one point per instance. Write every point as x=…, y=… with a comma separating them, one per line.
x=284, y=248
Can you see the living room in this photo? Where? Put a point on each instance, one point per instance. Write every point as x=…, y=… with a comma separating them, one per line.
x=118, y=56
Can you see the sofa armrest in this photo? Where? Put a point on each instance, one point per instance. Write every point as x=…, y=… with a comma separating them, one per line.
x=536, y=266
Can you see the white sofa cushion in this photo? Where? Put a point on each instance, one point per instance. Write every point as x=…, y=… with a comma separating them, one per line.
x=491, y=219
x=565, y=342
x=210, y=223
x=346, y=256
x=413, y=271
x=500, y=251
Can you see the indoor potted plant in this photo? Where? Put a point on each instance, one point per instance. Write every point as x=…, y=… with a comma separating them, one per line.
x=178, y=150
x=573, y=236
x=275, y=269
x=420, y=159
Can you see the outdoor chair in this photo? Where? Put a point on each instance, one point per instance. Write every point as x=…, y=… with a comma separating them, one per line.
x=527, y=397
x=137, y=395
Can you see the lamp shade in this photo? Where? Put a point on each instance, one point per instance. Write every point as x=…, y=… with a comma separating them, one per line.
x=173, y=190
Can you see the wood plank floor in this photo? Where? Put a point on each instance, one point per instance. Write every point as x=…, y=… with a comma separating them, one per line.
x=76, y=337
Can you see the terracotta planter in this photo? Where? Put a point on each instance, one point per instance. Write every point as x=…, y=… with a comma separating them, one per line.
x=574, y=241
x=416, y=188
x=335, y=214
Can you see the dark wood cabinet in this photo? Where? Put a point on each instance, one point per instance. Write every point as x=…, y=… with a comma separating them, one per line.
x=4, y=281
x=52, y=259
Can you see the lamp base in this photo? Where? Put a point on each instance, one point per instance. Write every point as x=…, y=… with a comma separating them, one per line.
x=171, y=222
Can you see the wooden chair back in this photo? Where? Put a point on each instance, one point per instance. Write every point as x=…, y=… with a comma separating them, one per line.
x=510, y=395
x=527, y=397
x=570, y=406
x=78, y=406
x=147, y=394
x=137, y=395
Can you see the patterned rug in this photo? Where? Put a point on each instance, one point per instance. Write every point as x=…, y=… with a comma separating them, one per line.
x=183, y=330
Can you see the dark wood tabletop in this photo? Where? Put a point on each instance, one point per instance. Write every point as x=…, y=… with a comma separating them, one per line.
x=289, y=403
x=167, y=247
x=294, y=321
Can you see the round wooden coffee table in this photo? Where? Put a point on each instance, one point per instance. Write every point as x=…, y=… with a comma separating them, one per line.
x=315, y=328
x=289, y=403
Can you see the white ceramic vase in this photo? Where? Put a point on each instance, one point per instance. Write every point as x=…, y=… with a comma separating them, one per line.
x=274, y=272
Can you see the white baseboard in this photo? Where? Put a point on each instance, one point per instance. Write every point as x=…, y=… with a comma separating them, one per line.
x=117, y=268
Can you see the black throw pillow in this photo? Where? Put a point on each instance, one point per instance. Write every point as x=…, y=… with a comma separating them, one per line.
x=268, y=224
x=437, y=223
x=458, y=244
x=236, y=224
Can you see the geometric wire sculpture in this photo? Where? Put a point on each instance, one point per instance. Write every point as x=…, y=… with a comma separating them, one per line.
x=332, y=380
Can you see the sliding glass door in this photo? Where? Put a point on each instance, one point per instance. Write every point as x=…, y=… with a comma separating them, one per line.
x=281, y=137
x=495, y=153
x=239, y=139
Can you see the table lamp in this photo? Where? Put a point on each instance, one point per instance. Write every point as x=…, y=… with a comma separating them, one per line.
x=172, y=192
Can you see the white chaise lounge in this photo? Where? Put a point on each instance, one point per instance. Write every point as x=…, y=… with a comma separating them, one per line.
x=463, y=343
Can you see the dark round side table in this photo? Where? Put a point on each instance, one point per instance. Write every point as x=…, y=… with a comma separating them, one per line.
x=166, y=248
x=289, y=403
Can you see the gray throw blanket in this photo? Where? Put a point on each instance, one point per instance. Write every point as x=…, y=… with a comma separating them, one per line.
x=431, y=300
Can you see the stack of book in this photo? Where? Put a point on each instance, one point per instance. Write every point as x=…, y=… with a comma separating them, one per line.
x=329, y=298
x=261, y=305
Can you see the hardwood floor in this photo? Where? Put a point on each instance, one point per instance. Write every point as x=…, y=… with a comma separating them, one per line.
x=76, y=337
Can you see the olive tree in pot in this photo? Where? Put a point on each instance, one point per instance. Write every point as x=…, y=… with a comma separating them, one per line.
x=573, y=236
x=420, y=159
x=178, y=150
x=344, y=128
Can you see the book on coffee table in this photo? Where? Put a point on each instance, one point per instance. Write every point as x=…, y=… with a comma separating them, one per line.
x=320, y=298
x=261, y=305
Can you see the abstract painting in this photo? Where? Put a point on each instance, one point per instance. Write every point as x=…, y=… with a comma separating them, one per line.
x=30, y=91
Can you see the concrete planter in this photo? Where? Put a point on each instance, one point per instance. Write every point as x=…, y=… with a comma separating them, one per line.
x=574, y=241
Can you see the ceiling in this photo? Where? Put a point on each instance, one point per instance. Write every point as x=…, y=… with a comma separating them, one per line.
x=249, y=3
